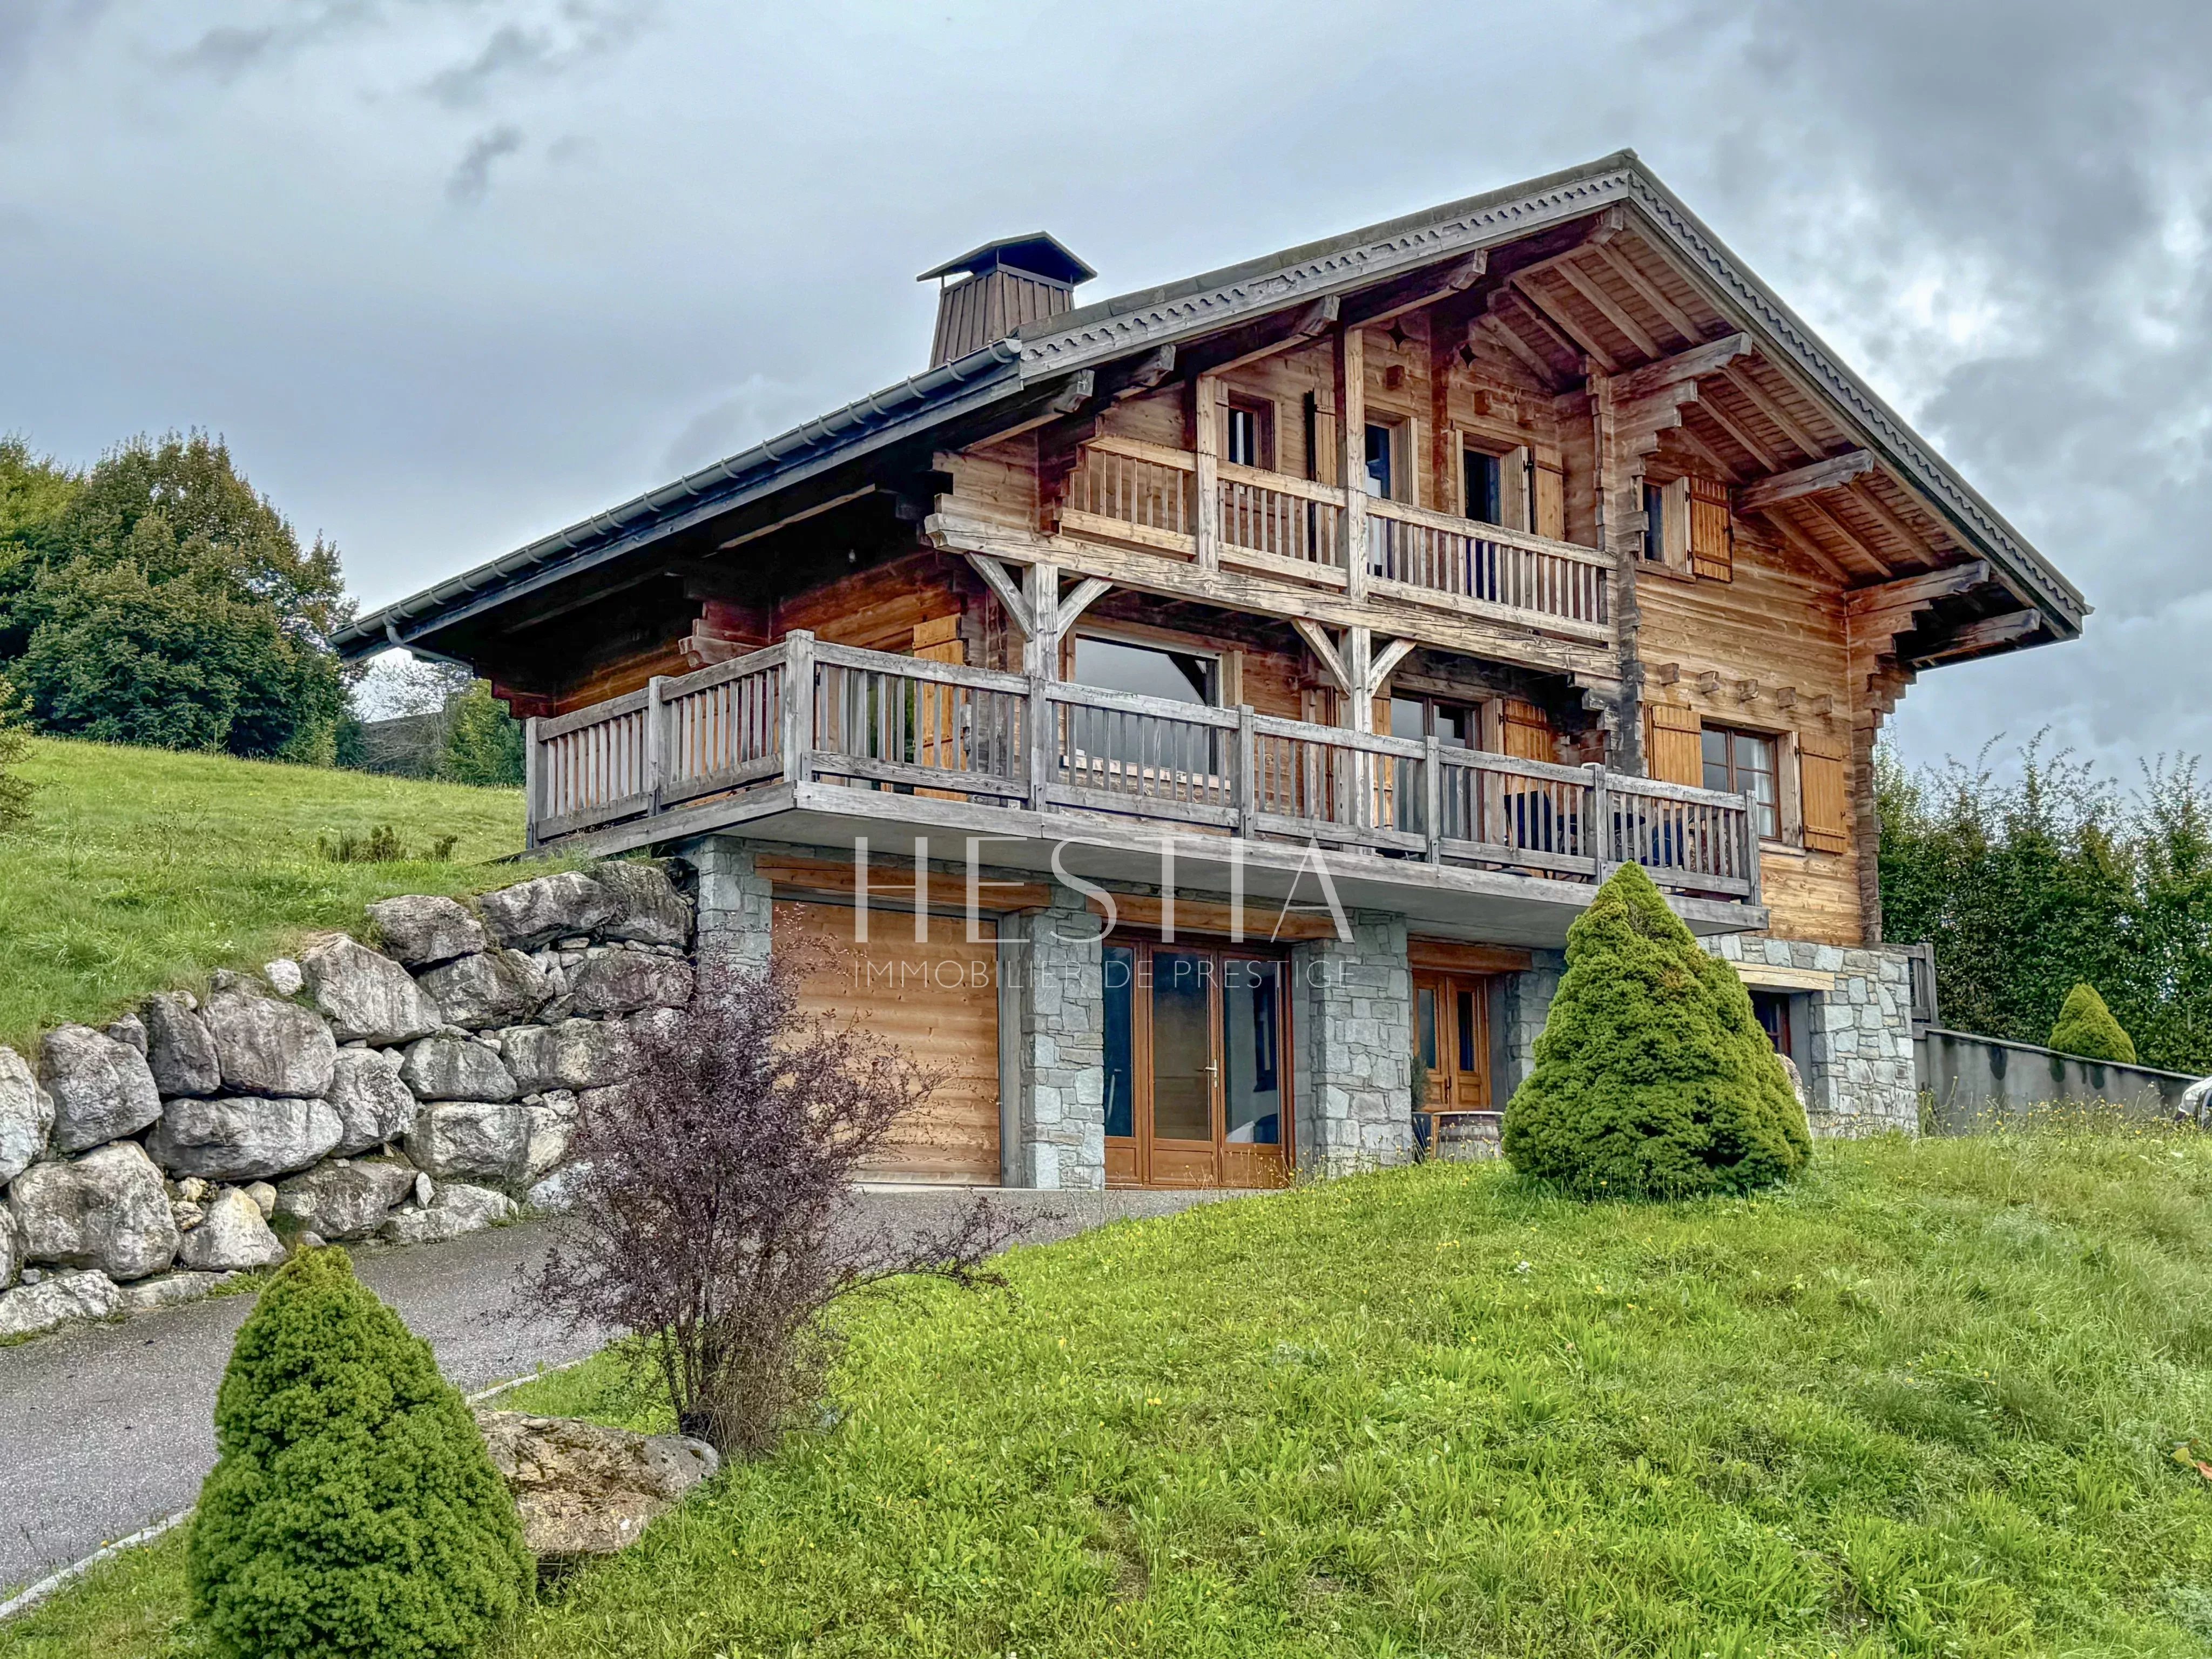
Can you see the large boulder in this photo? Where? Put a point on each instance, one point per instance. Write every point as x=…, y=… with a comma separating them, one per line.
x=470, y=1138
x=552, y=1120
x=424, y=931
x=233, y=1237
x=266, y=1046
x=623, y=981
x=373, y=1104
x=577, y=1054
x=101, y=1089
x=166, y=1290
x=179, y=1047
x=552, y=907
x=346, y=1200
x=493, y=987
x=366, y=997
x=457, y=1068
x=240, y=1138
x=456, y=1209
x=27, y=1115
x=583, y=1489
x=647, y=908
x=59, y=1300
x=11, y=1247
x=106, y=1210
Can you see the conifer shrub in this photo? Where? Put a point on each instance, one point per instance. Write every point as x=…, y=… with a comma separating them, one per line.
x=1652, y=1078
x=353, y=1509
x=2087, y=1028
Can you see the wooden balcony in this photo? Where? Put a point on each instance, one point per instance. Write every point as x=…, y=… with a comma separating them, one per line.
x=912, y=748
x=1271, y=524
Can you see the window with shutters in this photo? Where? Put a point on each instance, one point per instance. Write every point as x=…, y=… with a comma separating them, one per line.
x=1822, y=772
x=1711, y=545
x=1742, y=763
x=1671, y=748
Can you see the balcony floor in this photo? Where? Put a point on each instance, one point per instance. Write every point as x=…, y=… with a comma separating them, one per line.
x=1449, y=901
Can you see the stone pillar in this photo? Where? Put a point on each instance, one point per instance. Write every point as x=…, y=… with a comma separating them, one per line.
x=1059, y=1049
x=1860, y=1077
x=1354, y=1002
x=1524, y=1008
x=735, y=911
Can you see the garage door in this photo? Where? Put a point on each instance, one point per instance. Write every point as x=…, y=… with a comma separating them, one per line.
x=937, y=999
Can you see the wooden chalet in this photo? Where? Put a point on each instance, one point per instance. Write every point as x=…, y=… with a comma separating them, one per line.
x=1458, y=559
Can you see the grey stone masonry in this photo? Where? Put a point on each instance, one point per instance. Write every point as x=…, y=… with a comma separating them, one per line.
x=1354, y=1001
x=1521, y=1011
x=1860, y=1078
x=736, y=903
x=1060, y=1047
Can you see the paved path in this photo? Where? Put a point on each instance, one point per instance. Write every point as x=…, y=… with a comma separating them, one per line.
x=105, y=1428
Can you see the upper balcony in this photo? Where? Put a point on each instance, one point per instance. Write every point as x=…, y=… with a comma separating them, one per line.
x=815, y=744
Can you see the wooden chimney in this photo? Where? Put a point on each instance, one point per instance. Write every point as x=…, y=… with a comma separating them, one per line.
x=988, y=293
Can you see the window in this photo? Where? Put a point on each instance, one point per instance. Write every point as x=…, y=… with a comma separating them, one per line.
x=1250, y=433
x=1654, y=521
x=1379, y=445
x=1456, y=725
x=1484, y=491
x=1147, y=671
x=1110, y=739
x=1740, y=762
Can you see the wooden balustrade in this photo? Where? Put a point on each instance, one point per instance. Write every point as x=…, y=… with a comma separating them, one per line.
x=1273, y=522
x=803, y=712
x=1416, y=554
x=1132, y=491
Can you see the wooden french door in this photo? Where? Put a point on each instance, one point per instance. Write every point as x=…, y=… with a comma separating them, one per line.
x=1198, y=1073
x=1451, y=1041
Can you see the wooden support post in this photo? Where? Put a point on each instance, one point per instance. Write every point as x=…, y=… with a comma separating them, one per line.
x=1207, y=436
x=1044, y=741
x=1432, y=798
x=1352, y=468
x=656, y=743
x=1247, y=781
x=1599, y=832
x=798, y=704
x=1751, y=858
x=1358, y=658
x=533, y=777
x=1041, y=652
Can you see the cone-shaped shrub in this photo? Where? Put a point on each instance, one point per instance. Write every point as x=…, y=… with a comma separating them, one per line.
x=1652, y=1076
x=353, y=1509
x=2086, y=1027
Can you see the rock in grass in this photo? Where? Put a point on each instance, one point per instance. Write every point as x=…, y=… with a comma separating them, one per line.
x=62, y=1299
x=101, y=1089
x=346, y=1201
x=373, y=1105
x=179, y=1048
x=534, y=913
x=367, y=997
x=458, y=1209
x=27, y=1115
x=422, y=932
x=457, y=1068
x=266, y=1046
x=233, y=1237
x=489, y=1142
x=243, y=1138
x=494, y=988
x=583, y=1489
x=106, y=1210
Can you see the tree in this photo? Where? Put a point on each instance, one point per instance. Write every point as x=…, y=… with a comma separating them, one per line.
x=160, y=600
x=353, y=1508
x=2086, y=1027
x=1652, y=1078
x=713, y=1198
x=483, y=742
x=15, y=792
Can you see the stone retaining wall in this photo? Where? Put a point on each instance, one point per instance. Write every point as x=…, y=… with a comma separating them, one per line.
x=408, y=1089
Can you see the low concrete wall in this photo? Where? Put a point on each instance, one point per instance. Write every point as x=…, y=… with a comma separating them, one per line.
x=1974, y=1080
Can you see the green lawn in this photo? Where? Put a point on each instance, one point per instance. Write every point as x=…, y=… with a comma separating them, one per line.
x=144, y=870
x=1922, y=1403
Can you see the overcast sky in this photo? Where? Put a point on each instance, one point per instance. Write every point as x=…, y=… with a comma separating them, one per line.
x=452, y=273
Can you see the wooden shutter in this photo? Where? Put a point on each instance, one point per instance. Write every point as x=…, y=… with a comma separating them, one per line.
x=1550, y=503
x=1823, y=767
x=1513, y=503
x=1672, y=744
x=1711, y=553
x=1526, y=731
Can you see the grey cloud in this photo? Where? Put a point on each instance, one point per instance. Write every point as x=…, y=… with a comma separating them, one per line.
x=581, y=34
x=472, y=177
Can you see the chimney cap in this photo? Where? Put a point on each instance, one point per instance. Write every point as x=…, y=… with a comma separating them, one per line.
x=1037, y=254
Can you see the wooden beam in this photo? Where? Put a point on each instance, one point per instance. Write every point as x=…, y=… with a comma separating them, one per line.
x=1271, y=336
x=1914, y=541
x=1006, y=591
x=1206, y=449
x=1602, y=303
x=1556, y=315
x=1762, y=457
x=799, y=517
x=1079, y=600
x=1711, y=358
x=1705, y=451
x=1622, y=266
x=1807, y=547
x=1536, y=316
x=1827, y=520
x=1324, y=649
x=1833, y=473
x=1074, y=394
x=1503, y=332
x=1977, y=638
x=1386, y=659
x=1457, y=278
x=1153, y=369
x=1917, y=593
x=1351, y=366
x=1784, y=422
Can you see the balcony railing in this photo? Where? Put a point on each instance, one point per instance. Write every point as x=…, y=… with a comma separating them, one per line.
x=870, y=720
x=1125, y=490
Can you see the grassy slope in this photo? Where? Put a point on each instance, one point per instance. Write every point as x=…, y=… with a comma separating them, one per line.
x=146, y=870
x=1921, y=1404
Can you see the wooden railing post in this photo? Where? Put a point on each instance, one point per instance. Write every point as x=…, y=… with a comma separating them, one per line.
x=656, y=742
x=1206, y=431
x=1751, y=860
x=1599, y=832
x=1247, y=781
x=1352, y=450
x=1044, y=739
x=798, y=704
x=1432, y=797
x=532, y=780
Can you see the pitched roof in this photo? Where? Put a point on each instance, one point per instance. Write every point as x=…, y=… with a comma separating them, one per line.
x=1144, y=319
